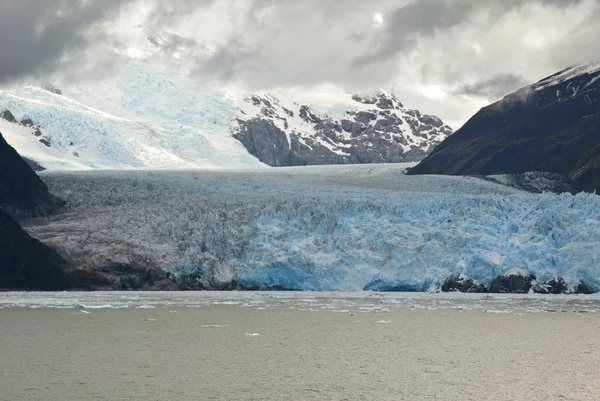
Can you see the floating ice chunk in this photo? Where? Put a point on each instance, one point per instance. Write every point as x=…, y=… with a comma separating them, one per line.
x=81, y=306
x=213, y=325
x=107, y=307
x=373, y=309
x=384, y=322
x=252, y=334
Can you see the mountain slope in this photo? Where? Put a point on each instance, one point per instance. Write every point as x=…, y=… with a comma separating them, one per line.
x=552, y=126
x=22, y=192
x=26, y=263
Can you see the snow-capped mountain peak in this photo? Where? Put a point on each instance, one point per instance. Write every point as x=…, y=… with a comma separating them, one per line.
x=372, y=129
x=583, y=71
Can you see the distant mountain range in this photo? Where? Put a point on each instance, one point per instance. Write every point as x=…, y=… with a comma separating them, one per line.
x=552, y=126
x=151, y=114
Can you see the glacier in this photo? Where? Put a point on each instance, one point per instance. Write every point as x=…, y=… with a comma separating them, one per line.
x=145, y=118
x=334, y=228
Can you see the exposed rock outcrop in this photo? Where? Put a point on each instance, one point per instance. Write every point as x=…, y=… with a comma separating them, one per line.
x=513, y=284
x=266, y=141
x=554, y=286
x=27, y=122
x=460, y=284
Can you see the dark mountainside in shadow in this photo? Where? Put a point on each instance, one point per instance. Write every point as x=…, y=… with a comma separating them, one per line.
x=552, y=126
x=22, y=193
x=26, y=263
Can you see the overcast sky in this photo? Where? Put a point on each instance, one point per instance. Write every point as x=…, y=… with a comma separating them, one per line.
x=444, y=57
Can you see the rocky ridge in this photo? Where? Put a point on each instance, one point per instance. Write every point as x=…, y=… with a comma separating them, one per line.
x=378, y=129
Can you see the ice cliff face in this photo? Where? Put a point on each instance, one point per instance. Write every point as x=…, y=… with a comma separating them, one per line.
x=323, y=228
x=377, y=129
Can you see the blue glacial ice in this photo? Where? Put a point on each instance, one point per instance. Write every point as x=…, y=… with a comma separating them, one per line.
x=348, y=228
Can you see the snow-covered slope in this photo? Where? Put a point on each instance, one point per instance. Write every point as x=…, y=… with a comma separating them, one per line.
x=322, y=228
x=153, y=121
x=151, y=114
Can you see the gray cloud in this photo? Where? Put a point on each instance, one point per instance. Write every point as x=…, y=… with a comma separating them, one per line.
x=494, y=87
x=439, y=54
x=309, y=43
x=34, y=34
x=420, y=18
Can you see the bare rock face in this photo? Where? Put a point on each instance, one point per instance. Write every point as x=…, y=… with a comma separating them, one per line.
x=378, y=130
x=266, y=141
x=8, y=116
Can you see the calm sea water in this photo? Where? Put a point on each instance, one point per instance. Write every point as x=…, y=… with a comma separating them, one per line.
x=298, y=346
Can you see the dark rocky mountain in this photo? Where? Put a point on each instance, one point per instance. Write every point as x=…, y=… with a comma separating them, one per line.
x=27, y=264
x=22, y=193
x=552, y=126
x=379, y=129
